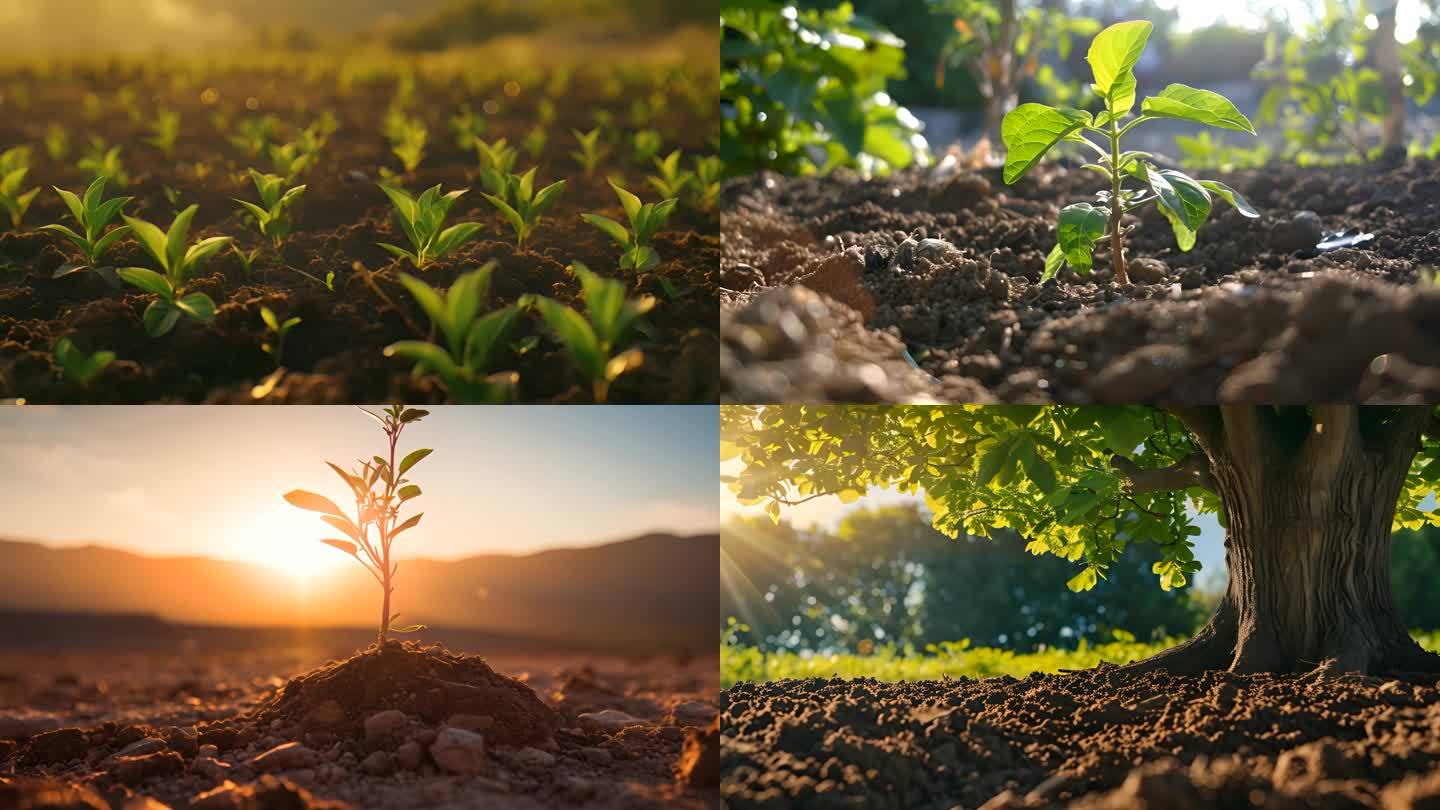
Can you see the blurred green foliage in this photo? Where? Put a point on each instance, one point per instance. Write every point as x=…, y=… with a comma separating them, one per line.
x=805, y=91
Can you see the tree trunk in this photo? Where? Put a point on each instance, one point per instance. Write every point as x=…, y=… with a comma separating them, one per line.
x=1307, y=547
x=1387, y=59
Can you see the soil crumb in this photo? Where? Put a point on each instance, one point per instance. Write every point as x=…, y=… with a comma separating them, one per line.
x=1083, y=740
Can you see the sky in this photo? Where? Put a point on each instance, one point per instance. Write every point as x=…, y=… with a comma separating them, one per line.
x=209, y=480
x=1252, y=13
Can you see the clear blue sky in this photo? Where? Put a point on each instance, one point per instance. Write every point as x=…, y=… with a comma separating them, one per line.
x=208, y=480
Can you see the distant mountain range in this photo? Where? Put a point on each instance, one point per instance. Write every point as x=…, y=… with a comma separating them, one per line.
x=655, y=590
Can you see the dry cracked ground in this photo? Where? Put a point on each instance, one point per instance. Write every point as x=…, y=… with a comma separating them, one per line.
x=414, y=727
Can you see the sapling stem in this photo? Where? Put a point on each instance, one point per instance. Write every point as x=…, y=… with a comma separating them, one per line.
x=1117, y=206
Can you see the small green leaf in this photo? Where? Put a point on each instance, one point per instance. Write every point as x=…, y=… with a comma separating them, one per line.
x=160, y=317
x=1112, y=57
x=1193, y=104
x=1053, y=262
x=1083, y=581
x=1030, y=130
x=1231, y=196
x=1080, y=226
x=412, y=459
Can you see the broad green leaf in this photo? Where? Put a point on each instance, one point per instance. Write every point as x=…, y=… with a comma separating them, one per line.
x=409, y=491
x=630, y=202
x=151, y=238
x=412, y=459
x=1030, y=130
x=312, y=502
x=175, y=240
x=1083, y=581
x=1193, y=104
x=489, y=331
x=610, y=227
x=429, y=300
x=1231, y=196
x=575, y=333
x=115, y=235
x=1053, y=262
x=147, y=280
x=1112, y=57
x=198, y=306
x=994, y=459
x=204, y=249
x=455, y=236
x=427, y=357
x=77, y=208
x=1080, y=226
x=1181, y=196
x=160, y=317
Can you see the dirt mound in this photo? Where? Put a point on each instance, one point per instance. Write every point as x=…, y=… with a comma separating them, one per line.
x=405, y=677
x=938, y=281
x=1050, y=740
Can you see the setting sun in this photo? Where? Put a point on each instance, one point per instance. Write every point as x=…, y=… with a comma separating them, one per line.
x=285, y=540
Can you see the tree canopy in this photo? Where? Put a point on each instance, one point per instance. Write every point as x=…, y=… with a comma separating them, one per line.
x=1078, y=482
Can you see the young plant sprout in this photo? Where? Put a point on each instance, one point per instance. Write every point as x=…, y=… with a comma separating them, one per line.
x=522, y=205
x=591, y=151
x=14, y=166
x=421, y=219
x=101, y=160
x=92, y=213
x=408, y=137
x=497, y=160
x=290, y=160
x=275, y=214
x=472, y=340
x=277, y=330
x=593, y=340
x=76, y=365
x=672, y=180
x=645, y=220
x=247, y=259
x=178, y=262
x=467, y=126
x=646, y=145
x=254, y=135
x=707, y=182
x=1030, y=130
x=380, y=490
x=165, y=130
x=57, y=142
x=535, y=141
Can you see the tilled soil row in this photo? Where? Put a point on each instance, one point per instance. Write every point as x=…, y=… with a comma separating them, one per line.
x=1087, y=740
x=829, y=281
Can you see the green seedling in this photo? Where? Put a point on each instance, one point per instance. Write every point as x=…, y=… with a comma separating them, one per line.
x=645, y=145
x=247, y=259
x=14, y=166
x=545, y=111
x=421, y=219
x=76, y=365
x=101, y=160
x=535, y=141
x=290, y=160
x=594, y=340
x=707, y=182
x=165, y=130
x=380, y=490
x=591, y=151
x=275, y=214
x=522, y=205
x=254, y=135
x=178, y=262
x=645, y=220
x=93, y=213
x=1030, y=130
x=497, y=161
x=57, y=142
x=672, y=180
x=467, y=126
x=276, y=330
x=408, y=137
x=472, y=340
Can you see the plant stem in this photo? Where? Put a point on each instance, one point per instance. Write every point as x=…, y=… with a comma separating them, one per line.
x=1117, y=208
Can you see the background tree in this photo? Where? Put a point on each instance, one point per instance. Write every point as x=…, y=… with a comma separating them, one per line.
x=1309, y=497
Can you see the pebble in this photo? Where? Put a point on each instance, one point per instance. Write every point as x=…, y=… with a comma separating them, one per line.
x=609, y=721
x=410, y=755
x=459, y=751
x=378, y=763
x=211, y=768
x=288, y=757
x=596, y=756
x=1303, y=231
x=131, y=770
x=535, y=758
x=384, y=725
x=693, y=713
x=60, y=745
x=1147, y=271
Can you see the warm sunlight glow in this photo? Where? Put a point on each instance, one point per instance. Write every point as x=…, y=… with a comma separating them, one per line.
x=286, y=540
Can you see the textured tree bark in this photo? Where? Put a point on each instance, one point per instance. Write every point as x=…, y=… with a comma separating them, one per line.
x=1307, y=546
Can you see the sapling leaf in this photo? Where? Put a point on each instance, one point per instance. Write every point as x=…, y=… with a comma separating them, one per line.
x=1081, y=225
x=1231, y=196
x=1193, y=104
x=414, y=458
x=1112, y=57
x=1030, y=130
x=344, y=545
x=311, y=502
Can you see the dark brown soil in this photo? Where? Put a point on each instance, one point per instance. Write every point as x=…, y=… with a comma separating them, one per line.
x=335, y=355
x=1087, y=739
x=1241, y=317
x=216, y=730
x=430, y=683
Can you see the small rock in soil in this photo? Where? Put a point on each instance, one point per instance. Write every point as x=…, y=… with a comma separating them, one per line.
x=410, y=755
x=1301, y=232
x=378, y=763
x=384, y=725
x=133, y=770
x=608, y=721
x=459, y=751
x=693, y=713
x=1147, y=271
x=287, y=757
x=61, y=745
x=535, y=758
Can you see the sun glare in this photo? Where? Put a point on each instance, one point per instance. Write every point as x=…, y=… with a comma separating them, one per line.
x=287, y=541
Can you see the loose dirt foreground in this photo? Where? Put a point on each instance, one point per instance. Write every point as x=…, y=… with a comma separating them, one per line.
x=1083, y=740
x=336, y=354
x=827, y=282
x=416, y=727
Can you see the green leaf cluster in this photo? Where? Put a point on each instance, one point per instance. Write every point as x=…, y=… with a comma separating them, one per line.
x=92, y=213
x=14, y=167
x=645, y=220
x=422, y=219
x=522, y=205
x=177, y=261
x=595, y=339
x=275, y=214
